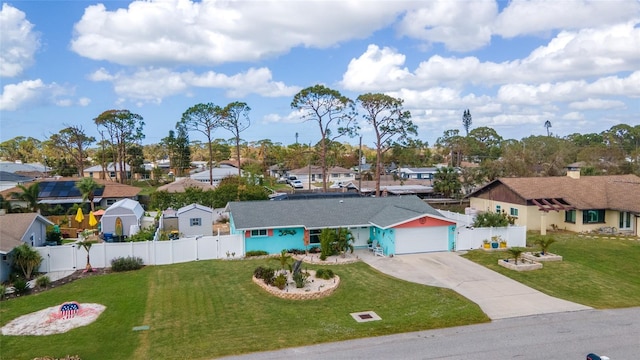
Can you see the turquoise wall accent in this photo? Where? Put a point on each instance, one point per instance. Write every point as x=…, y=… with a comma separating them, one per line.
x=452, y=237
x=386, y=238
x=276, y=243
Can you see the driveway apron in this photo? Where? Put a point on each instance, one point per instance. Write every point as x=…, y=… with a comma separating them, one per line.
x=497, y=295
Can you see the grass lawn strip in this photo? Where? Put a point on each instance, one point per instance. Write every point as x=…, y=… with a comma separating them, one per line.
x=207, y=309
x=597, y=272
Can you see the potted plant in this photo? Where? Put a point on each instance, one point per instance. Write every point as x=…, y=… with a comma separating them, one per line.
x=486, y=244
x=494, y=242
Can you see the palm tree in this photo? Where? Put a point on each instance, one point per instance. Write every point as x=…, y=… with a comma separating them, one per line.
x=29, y=195
x=284, y=259
x=544, y=244
x=87, y=187
x=516, y=252
x=86, y=244
x=26, y=259
x=547, y=124
x=343, y=241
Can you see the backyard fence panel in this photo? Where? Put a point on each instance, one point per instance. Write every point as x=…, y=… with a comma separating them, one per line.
x=184, y=250
x=472, y=238
x=460, y=219
x=208, y=248
x=141, y=250
x=231, y=244
x=61, y=258
x=162, y=252
x=97, y=256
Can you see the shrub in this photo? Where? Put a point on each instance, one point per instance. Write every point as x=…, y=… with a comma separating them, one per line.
x=3, y=291
x=264, y=273
x=296, y=251
x=21, y=286
x=54, y=237
x=300, y=279
x=325, y=274
x=256, y=253
x=43, y=281
x=323, y=257
x=280, y=281
x=126, y=264
x=327, y=238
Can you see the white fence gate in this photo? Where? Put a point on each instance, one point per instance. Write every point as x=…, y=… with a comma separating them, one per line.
x=468, y=238
x=70, y=257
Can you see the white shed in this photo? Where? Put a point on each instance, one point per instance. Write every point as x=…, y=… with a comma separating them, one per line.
x=119, y=217
x=195, y=220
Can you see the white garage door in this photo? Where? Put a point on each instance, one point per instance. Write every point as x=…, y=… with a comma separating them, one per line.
x=418, y=240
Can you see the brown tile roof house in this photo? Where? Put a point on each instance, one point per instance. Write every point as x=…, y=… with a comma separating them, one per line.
x=618, y=195
x=67, y=194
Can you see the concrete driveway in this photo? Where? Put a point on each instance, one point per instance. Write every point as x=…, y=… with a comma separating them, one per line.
x=499, y=296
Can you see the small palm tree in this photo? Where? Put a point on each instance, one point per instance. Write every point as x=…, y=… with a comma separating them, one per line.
x=284, y=259
x=87, y=187
x=516, y=252
x=29, y=195
x=544, y=244
x=86, y=244
x=26, y=259
x=344, y=241
x=547, y=124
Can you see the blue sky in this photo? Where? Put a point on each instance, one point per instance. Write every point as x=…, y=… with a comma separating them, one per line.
x=513, y=64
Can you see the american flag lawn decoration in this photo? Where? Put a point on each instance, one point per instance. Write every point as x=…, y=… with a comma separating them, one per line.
x=69, y=309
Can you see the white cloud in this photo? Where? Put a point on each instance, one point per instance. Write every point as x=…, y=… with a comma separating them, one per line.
x=155, y=84
x=569, y=55
x=293, y=117
x=213, y=32
x=574, y=115
x=83, y=101
x=459, y=25
x=376, y=69
x=16, y=95
x=19, y=42
x=596, y=104
x=525, y=17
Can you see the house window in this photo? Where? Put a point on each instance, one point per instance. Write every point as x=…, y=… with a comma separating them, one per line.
x=592, y=216
x=498, y=208
x=335, y=175
x=314, y=236
x=195, y=221
x=259, y=232
x=112, y=174
x=570, y=216
x=513, y=212
x=111, y=201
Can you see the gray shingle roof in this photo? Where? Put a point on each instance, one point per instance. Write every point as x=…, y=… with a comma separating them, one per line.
x=321, y=213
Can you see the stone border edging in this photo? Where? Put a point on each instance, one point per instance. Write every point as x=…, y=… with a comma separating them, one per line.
x=311, y=295
x=315, y=260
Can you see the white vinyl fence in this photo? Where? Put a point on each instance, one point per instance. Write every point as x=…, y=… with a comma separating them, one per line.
x=70, y=257
x=468, y=238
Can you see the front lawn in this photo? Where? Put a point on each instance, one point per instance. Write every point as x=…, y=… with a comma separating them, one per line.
x=600, y=272
x=209, y=309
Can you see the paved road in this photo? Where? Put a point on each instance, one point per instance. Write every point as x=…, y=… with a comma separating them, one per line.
x=572, y=335
x=499, y=296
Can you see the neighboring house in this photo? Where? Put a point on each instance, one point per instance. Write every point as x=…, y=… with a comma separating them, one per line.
x=219, y=173
x=182, y=184
x=111, y=172
x=195, y=220
x=420, y=188
x=33, y=170
x=420, y=173
x=400, y=225
x=121, y=218
x=571, y=202
x=10, y=180
x=63, y=191
x=15, y=229
x=334, y=174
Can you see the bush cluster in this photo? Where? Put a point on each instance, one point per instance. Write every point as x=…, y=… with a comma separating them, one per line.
x=280, y=281
x=20, y=286
x=43, y=281
x=126, y=264
x=265, y=274
x=325, y=274
x=256, y=253
x=296, y=251
x=300, y=278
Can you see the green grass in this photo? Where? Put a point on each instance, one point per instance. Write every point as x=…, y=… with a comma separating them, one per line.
x=599, y=272
x=209, y=309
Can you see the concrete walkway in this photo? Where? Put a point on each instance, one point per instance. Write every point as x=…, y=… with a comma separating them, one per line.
x=497, y=295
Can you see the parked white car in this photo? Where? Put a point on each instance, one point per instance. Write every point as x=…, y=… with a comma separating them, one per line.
x=296, y=184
